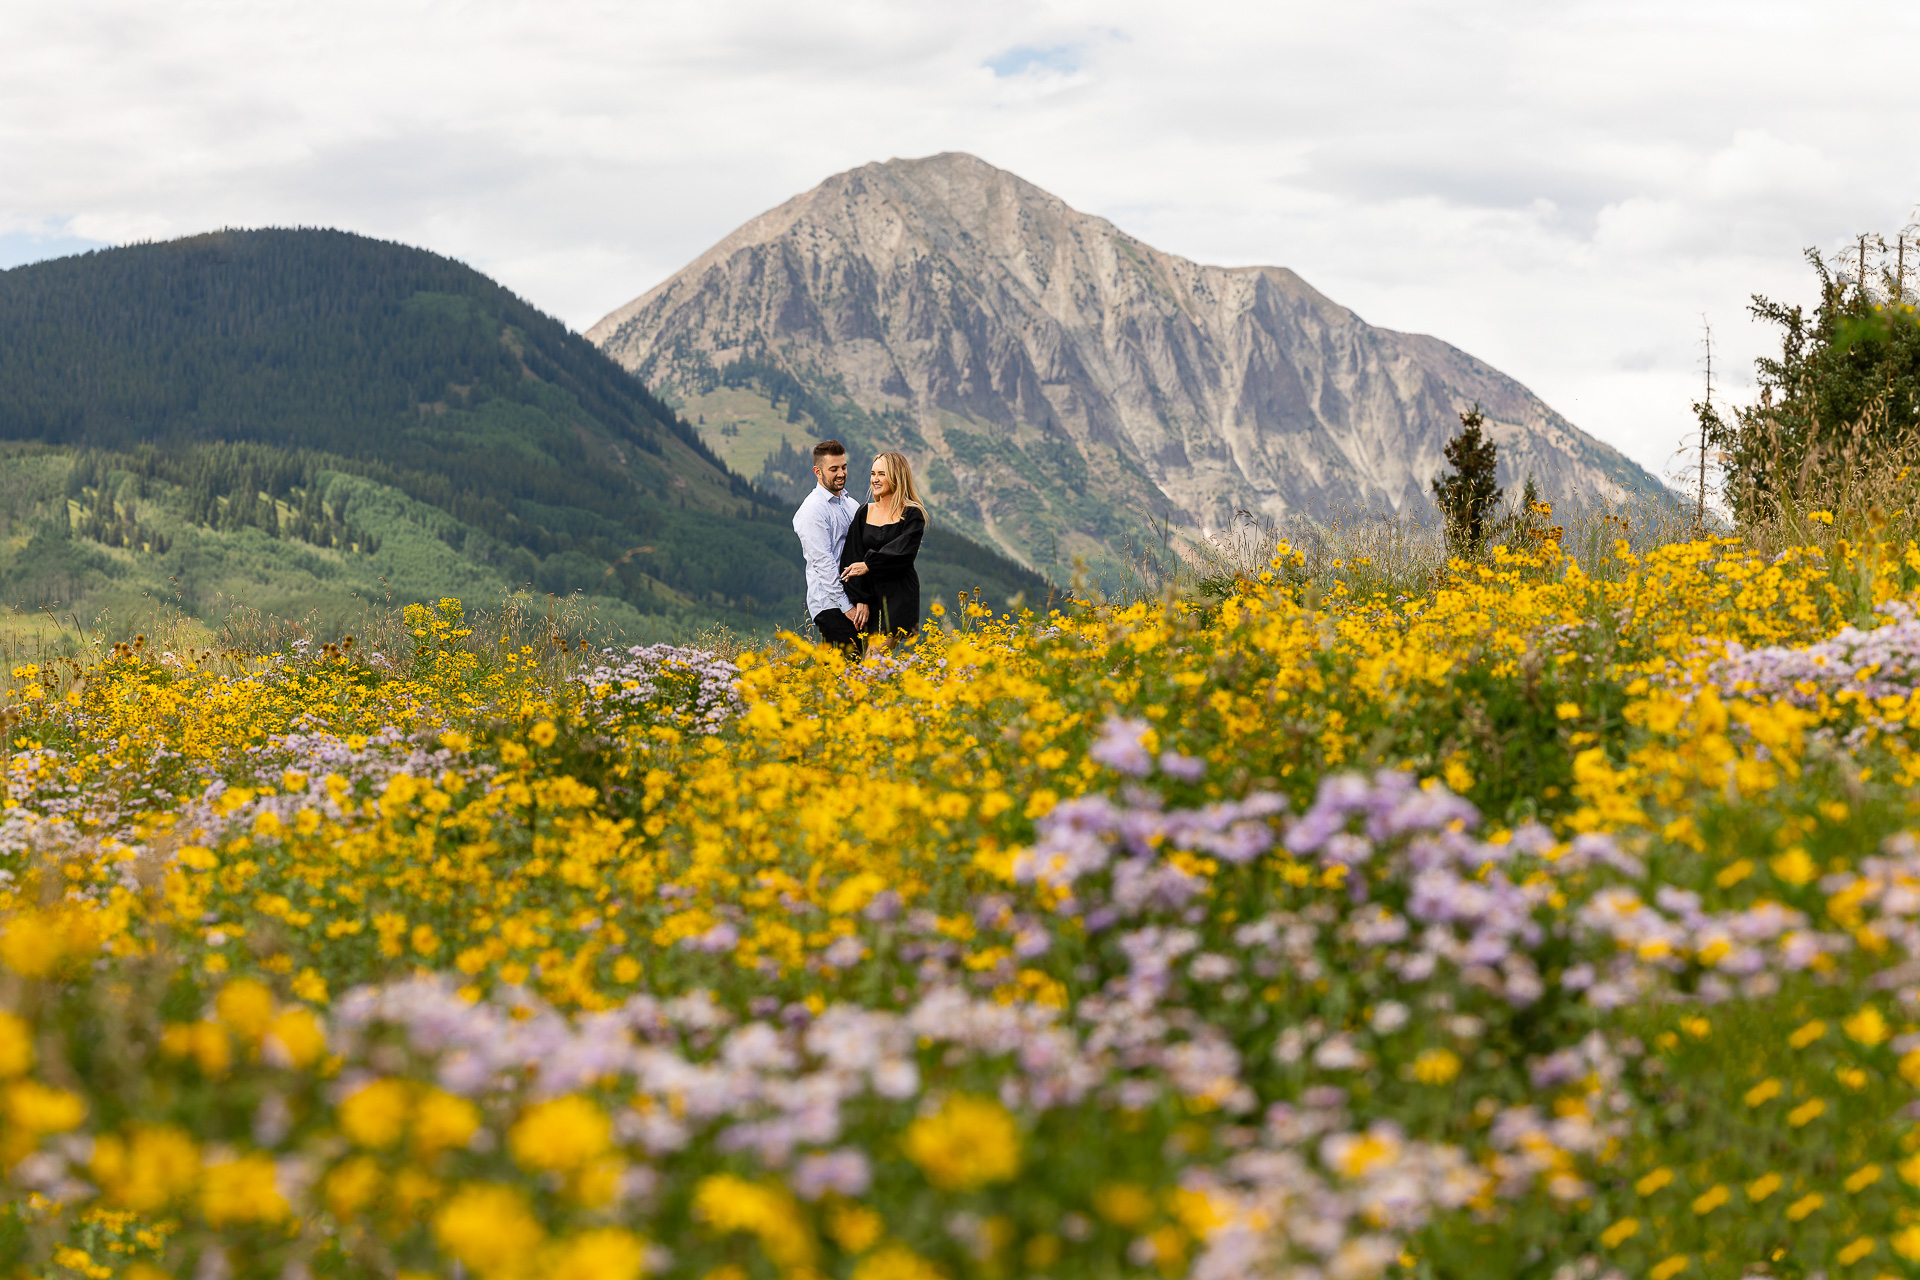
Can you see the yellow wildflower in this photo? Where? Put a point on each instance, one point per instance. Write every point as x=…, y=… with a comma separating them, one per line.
x=148, y=1169
x=374, y=1114
x=1354, y=1155
x=1435, y=1066
x=241, y=1190
x=1807, y=1112
x=854, y=1227
x=854, y=892
x=352, y=1185
x=1654, y=1181
x=295, y=1035
x=34, y=944
x=565, y=1135
x=1124, y=1204
x=35, y=1108
x=1807, y=1034
x=1862, y=1178
x=16, y=1047
x=1794, y=867
x=310, y=986
x=1805, y=1205
x=968, y=1143
x=1868, y=1026
x=896, y=1262
x=441, y=1120
x=607, y=1253
x=489, y=1228
x=727, y=1204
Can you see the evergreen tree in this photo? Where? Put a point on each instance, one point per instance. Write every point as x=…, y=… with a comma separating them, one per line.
x=1467, y=495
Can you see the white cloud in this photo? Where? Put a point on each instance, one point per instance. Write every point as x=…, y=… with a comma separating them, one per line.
x=1562, y=189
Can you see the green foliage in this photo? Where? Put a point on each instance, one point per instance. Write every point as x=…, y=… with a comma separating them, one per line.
x=1846, y=385
x=1467, y=495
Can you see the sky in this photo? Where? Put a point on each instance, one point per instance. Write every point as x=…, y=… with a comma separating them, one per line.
x=1568, y=190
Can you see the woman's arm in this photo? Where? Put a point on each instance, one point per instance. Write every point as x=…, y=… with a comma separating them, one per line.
x=897, y=553
x=853, y=553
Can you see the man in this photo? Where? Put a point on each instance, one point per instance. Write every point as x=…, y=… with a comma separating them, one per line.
x=822, y=522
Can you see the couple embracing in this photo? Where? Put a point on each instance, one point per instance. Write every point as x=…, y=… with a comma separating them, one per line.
x=860, y=576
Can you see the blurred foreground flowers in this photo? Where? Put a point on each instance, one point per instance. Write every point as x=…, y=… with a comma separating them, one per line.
x=1546, y=924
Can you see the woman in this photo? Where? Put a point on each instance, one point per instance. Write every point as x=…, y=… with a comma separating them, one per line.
x=877, y=564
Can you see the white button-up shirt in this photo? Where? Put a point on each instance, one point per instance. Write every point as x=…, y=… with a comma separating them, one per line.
x=822, y=523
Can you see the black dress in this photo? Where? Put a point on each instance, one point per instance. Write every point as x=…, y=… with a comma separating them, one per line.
x=889, y=588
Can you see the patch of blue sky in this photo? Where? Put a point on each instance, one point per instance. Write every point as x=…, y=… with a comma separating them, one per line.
x=17, y=248
x=1025, y=58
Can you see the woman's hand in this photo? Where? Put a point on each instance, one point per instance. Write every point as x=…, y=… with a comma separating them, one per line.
x=853, y=570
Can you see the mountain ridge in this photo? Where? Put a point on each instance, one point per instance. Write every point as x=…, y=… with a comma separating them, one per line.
x=1062, y=380
x=309, y=400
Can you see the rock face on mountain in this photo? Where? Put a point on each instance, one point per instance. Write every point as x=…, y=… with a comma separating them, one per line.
x=1060, y=382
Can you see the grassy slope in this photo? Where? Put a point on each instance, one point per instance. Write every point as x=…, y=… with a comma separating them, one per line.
x=762, y=420
x=207, y=573
x=743, y=427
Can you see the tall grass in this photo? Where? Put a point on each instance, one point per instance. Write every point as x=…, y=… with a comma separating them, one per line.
x=1860, y=483
x=41, y=635
x=1850, y=493
x=559, y=632
x=1374, y=553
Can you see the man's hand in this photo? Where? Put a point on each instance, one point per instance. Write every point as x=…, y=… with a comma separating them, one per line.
x=857, y=615
x=853, y=570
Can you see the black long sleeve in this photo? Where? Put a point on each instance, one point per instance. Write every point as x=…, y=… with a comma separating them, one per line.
x=901, y=547
x=890, y=587
x=859, y=590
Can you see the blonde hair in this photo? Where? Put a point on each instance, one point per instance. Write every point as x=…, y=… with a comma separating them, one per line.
x=904, y=492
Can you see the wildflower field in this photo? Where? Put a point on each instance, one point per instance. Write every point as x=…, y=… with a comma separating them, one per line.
x=1557, y=922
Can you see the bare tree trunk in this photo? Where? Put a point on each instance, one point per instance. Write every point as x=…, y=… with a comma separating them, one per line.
x=1700, y=510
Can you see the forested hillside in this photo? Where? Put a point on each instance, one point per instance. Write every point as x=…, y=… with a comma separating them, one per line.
x=302, y=415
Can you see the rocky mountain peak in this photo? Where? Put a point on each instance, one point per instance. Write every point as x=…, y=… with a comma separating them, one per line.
x=1059, y=381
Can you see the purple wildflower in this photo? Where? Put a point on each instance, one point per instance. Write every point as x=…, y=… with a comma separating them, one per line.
x=1120, y=747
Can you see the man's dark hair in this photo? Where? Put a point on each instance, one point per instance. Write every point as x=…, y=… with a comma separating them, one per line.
x=827, y=449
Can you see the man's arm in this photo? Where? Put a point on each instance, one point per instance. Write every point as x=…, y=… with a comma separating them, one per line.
x=823, y=567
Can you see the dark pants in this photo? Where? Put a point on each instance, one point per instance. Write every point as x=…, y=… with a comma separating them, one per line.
x=837, y=628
